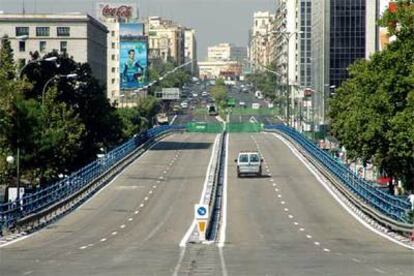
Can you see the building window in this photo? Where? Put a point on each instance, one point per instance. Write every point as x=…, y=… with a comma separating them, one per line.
x=113, y=69
x=22, y=46
x=42, y=46
x=113, y=45
x=113, y=33
x=113, y=81
x=63, y=46
x=42, y=31
x=113, y=57
x=63, y=31
x=22, y=31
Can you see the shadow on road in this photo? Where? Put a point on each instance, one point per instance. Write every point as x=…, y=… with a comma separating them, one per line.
x=181, y=146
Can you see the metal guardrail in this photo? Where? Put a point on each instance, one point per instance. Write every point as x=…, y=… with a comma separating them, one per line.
x=385, y=208
x=45, y=198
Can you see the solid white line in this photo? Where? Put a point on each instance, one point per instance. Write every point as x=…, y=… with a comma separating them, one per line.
x=379, y=270
x=330, y=191
x=187, y=235
x=223, y=262
x=180, y=259
x=223, y=228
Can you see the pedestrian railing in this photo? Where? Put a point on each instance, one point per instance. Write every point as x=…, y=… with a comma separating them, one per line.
x=32, y=203
x=391, y=206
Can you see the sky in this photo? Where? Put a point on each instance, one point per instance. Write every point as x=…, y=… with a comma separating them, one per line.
x=215, y=21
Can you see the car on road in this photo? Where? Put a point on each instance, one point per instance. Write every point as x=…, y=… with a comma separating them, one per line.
x=184, y=105
x=242, y=104
x=204, y=93
x=255, y=105
x=249, y=162
x=195, y=95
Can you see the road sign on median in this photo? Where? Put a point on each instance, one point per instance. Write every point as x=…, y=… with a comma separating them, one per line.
x=201, y=211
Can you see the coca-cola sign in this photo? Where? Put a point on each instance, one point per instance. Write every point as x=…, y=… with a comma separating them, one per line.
x=120, y=11
x=117, y=11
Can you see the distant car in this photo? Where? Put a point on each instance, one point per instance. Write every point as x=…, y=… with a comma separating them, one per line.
x=242, y=104
x=249, y=163
x=204, y=94
x=184, y=105
x=195, y=95
x=255, y=105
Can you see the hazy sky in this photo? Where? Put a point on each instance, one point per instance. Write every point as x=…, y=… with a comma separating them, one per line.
x=215, y=21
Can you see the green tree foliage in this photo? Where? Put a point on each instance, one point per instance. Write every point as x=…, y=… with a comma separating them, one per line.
x=85, y=96
x=266, y=82
x=138, y=118
x=219, y=93
x=372, y=113
x=175, y=79
x=7, y=66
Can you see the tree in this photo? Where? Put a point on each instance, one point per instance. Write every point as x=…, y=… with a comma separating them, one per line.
x=372, y=114
x=219, y=93
x=8, y=70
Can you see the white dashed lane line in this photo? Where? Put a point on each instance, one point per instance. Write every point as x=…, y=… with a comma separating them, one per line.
x=130, y=219
x=103, y=239
x=122, y=226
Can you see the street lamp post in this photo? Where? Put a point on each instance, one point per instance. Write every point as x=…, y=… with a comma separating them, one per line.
x=10, y=160
x=49, y=59
x=68, y=76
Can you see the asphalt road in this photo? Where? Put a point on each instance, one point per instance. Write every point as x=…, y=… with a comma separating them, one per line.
x=283, y=223
x=132, y=227
x=286, y=223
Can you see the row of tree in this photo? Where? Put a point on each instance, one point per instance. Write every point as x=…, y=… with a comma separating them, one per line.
x=58, y=124
x=372, y=113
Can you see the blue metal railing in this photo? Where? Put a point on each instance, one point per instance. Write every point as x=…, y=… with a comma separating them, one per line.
x=389, y=205
x=43, y=198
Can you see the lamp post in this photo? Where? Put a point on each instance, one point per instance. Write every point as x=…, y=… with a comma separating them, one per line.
x=68, y=77
x=10, y=159
x=49, y=59
x=287, y=35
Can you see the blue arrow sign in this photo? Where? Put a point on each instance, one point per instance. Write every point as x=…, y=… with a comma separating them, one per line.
x=202, y=211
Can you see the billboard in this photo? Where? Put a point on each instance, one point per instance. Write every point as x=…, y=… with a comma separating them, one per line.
x=133, y=56
x=169, y=94
x=119, y=11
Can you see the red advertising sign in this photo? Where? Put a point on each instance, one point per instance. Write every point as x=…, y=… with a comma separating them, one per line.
x=120, y=11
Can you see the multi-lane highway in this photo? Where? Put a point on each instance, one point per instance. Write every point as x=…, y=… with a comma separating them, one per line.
x=283, y=223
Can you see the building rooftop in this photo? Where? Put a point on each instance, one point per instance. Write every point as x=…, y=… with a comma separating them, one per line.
x=51, y=17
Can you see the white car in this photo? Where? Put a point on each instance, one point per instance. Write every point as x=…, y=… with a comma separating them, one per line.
x=195, y=95
x=249, y=163
x=242, y=104
x=255, y=105
x=204, y=94
x=184, y=105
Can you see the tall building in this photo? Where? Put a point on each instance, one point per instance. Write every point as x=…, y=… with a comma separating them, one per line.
x=190, y=50
x=112, y=15
x=166, y=40
x=305, y=43
x=343, y=31
x=260, y=39
x=79, y=35
x=226, y=52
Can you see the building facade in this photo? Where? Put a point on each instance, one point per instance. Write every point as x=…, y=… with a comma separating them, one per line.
x=343, y=32
x=190, y=50
x=260, y=43
x=216, y=69
x=79, y=35
x=226, y=52
x=166, y=40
